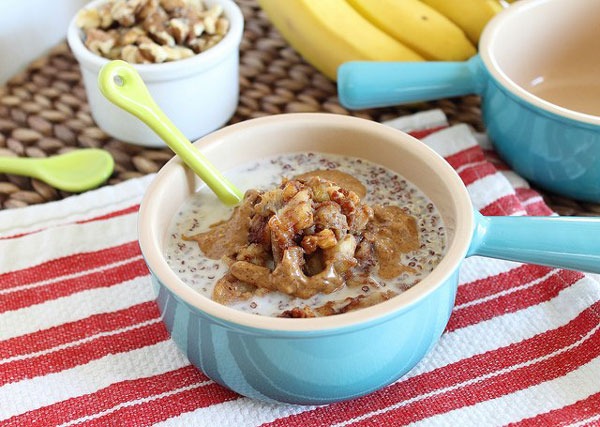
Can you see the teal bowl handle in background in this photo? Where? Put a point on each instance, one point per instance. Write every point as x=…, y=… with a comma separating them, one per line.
x=565, y=242
x=369, y=84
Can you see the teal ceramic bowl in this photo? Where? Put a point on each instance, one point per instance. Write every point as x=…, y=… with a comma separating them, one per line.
x=328, y=359
x=537, y=74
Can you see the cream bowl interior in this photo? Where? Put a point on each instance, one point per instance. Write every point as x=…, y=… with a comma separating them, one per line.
x=320, y=132
x=547, y=52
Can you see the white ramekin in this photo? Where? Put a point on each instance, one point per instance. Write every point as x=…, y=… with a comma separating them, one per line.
x=199, y=94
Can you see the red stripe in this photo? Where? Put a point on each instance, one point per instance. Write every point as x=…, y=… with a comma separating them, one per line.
x=111, y=396
x=476, y=172
x=507, y=280
x=98, y=279
x=148, y=413
x=83, y=353
x=538, y=208
x=69, y=265
x=16, y=236
x=422, y=133
x=126, y=211
x=469, y=155
x=514, y=301
x=73, y=331
x=505, y=205
x=501, y=166
x=525, y=194
x=535, y=208
x=578, y=411
x=464, y=370
x=494, y=158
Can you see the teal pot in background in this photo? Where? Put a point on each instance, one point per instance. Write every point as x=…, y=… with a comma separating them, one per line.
x=537, y=74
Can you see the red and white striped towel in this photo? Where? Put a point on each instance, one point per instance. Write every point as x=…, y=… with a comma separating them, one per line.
x=81, y=341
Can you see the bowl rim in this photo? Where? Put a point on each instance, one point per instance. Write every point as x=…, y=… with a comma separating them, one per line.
x=492, y=33
x=172, y=69
x=149, y=237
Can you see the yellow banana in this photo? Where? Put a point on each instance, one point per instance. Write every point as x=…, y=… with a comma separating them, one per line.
x=328, y=33
x=419, y=27
x=470, y=15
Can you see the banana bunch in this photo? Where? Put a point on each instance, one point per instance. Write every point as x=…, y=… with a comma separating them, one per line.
x=328, y=33
x=470, y=15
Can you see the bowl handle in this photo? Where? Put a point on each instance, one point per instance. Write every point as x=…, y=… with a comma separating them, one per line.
x=565, y=242
x=367, y=84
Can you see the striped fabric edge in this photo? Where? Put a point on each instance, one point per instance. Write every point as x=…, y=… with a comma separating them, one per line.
x=23, y=353
x=47, y=252
x=110, y=199
x=175, y=390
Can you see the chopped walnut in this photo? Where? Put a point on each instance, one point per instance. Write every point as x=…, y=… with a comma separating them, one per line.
x=214, y=12
x=131, y=37
x=210, y=25
x=197, y=5
x=155, y=21
x=100, y=42
x=123, y=13
x=88, y=18
x=143, y=31
x=106, y=18
x=171, y=5
x=222, y=26
x=196, y=30
x=298, y=313
x=132, y=54
x=324, y=239
x=153, y=52
x=198, y=45
x=179, y=29
x=163, y=38
x=147, y=8
x=178, y=52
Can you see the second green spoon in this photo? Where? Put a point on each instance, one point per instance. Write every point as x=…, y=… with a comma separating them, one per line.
x=75, y=171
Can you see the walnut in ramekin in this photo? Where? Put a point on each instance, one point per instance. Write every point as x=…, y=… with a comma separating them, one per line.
x=199, y=91
x=152, y=31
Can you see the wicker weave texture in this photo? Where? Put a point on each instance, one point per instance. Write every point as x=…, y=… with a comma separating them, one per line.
x=44, y=111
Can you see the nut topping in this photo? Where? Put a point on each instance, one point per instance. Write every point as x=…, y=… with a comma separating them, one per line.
x=152, y=31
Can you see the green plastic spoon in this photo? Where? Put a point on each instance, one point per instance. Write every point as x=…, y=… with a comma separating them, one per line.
x=121, y=84
x=74, y=171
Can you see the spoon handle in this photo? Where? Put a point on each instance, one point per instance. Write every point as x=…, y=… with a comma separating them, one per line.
x=26, y=166
x=121, y=84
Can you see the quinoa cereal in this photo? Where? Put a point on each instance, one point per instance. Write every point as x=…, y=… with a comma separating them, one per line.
x=384, y=190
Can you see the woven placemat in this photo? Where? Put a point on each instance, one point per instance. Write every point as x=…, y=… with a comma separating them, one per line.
x=44, y=111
